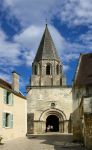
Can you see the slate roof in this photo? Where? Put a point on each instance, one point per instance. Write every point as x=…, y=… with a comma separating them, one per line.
x=8, y=86
x=46, y=48
x=84, y=75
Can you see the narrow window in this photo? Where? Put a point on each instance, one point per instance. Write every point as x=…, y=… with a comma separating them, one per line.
x=7, y=120
x=8, y=97
x=57, y=69
x=35, y=70
x=48, y=69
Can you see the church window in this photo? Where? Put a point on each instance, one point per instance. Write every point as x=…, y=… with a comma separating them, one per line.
x=57, y=69
x=35, y=70
x=48, y=69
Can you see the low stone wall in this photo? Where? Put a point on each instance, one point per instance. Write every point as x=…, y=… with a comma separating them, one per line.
x=88, y=131
x=77, y=125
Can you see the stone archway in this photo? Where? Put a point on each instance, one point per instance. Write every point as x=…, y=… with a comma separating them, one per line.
x=50, y=115
x=52, y=123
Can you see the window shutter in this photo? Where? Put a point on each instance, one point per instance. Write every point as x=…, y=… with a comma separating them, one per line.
x=5, y=95
x=11, y=120
x=3, y=119
x=11, y=99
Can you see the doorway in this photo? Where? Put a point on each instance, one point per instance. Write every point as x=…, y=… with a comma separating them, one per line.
x=52, y=123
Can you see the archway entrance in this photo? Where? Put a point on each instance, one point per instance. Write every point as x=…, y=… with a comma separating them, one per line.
x=52, y=123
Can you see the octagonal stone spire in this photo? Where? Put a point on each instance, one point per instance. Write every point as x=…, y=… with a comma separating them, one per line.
x=46, y=50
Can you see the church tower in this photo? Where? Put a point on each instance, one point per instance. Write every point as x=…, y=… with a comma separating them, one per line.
x=47, y=69
x=49, y=100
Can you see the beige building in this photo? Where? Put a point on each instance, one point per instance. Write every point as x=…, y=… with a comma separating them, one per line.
x=82, y=101
x=13, y=110
x=49, y=99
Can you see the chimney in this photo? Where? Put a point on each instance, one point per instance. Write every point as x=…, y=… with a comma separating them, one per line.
x=15, y=81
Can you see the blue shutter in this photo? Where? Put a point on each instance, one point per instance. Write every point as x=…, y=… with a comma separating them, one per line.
x=5, y=95
x=11, y=120
x=3, y=119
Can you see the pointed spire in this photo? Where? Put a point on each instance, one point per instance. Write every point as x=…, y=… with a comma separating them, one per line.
x=46, y=48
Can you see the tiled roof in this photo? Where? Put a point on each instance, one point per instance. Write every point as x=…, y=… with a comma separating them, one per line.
x=8, y=86
x=84, y=75
x=46, y=48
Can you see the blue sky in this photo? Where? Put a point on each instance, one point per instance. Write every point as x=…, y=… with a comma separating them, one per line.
x=22, y=24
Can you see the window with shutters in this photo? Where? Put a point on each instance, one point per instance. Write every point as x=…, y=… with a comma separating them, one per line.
x=7, y=119
x=8, y=97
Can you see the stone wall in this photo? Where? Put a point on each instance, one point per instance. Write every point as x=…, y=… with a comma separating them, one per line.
x=40, y=99
x=82, y=122
x=88, y=130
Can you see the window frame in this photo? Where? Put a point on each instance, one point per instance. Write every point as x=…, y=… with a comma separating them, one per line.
x=8, y=97
x=48, y=69
x=7, y=120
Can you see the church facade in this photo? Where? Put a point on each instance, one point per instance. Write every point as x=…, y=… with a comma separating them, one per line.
x=49, y=99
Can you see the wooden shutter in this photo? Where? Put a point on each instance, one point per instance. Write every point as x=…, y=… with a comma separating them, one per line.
x=11, y=99
x=3, y=119
x=11, y=120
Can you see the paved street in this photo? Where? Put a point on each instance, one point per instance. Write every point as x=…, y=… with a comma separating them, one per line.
x=50, y=141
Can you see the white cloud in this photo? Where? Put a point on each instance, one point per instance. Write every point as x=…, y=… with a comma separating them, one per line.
x=5, y=76
x=75, y=12
x=9, y=51
x=31, y=37
x=32, y=11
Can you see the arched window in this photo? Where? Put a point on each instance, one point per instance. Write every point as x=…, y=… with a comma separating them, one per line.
x=48, y=69
x=57, y=69
x=35, y=70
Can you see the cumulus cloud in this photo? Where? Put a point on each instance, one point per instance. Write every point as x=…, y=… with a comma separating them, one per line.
x=30, y=11
x=31, y=36
x=75, y=12
x=5, y=76
x=9, y=51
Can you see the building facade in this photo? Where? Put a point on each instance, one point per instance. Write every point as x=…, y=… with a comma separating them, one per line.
x=82, y=101
x=13, y=110
x=49, y=99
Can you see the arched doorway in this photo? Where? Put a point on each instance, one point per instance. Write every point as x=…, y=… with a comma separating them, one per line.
x=52, y=123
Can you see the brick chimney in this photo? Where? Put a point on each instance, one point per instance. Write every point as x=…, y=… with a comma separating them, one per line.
x=15, y=81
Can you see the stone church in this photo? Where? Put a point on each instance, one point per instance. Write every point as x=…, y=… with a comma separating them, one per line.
x=49, y=99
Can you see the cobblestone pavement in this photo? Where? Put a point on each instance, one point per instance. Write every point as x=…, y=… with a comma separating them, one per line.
x=50, y=141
